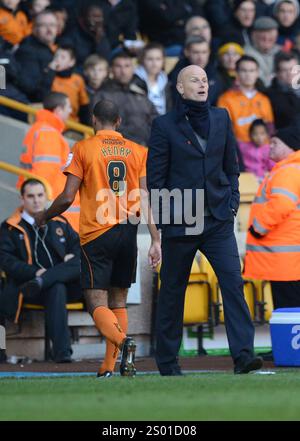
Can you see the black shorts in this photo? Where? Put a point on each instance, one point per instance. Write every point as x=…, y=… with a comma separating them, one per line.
x=110, y=260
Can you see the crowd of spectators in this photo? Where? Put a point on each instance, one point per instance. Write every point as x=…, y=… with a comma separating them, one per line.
x=117, y=49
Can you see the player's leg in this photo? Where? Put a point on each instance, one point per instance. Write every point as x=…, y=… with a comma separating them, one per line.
x=117, y=303
x=105, y=320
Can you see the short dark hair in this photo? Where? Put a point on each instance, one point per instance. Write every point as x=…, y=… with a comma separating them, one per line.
x=256, y=123
x=54, y=100
x=106, y=111
x=122, y=54
x=281, y=57
x=30, y=182
x=150, y=47
x=69, y=48
x=194, y=39
x=244, y=59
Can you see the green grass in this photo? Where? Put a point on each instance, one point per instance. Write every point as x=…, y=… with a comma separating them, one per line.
x=206, y=396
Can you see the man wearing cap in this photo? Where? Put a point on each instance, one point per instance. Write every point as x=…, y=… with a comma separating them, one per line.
x=273, y=241
x=264, y=48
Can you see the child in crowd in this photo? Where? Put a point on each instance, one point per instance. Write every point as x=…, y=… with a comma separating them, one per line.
x=14, y=25
x=70, y=83
x=256, y=152
x=95, y=70
x=150, y=70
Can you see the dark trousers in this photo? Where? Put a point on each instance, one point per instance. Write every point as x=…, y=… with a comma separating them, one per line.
x=286, y=294
x=54, y=299
x=218, y=244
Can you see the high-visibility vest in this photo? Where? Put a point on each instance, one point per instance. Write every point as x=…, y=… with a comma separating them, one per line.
x=275, y=215
x=45, y=153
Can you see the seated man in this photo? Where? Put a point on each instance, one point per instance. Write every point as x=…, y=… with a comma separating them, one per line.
x=42, y=266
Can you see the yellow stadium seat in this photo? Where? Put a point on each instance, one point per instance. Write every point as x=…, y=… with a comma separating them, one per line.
x=170, y=64
x=70, y=307
x=198, y=302
x=248, y=189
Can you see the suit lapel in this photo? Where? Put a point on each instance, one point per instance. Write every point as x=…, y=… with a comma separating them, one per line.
x=186, y=128
x=213, y=128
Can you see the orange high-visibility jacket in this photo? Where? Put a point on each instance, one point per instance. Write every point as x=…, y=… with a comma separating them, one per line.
x=275, y=214
x=14, y=27
x=45, y=153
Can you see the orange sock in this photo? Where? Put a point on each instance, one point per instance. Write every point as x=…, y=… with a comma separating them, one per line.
x=107, y=324
x=111, y=353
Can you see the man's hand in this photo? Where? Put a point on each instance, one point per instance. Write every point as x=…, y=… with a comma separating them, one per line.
x=40, y=218
x=40, y=272
x=68, y=257
x=154, y=254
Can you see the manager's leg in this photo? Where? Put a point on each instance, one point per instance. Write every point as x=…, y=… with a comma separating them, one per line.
x=177, y=259
x=221, y=250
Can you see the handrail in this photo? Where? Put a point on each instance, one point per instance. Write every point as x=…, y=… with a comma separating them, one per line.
x=21, y=172
x=25, y=108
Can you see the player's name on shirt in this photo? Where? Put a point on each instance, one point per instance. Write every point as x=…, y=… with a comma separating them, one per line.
x=116, y=151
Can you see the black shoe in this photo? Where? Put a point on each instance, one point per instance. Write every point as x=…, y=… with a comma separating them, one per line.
x=248, y=366
x=106, y=374
x=266, y=356
x=66, y=359
x=32, y=288
x=170, y=370
x=127, y=368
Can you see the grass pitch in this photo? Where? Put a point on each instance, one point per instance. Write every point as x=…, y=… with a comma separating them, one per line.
x=194, y=397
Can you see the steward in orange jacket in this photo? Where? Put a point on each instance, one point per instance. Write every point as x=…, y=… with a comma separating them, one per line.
x=46, y=152
x=273, y=241
x=14, y=25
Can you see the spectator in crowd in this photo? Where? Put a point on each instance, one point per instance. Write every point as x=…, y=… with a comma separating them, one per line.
x=34, y=56
x=264, y=47
x=62, y=17
x=256, y=152
x=88, y=35
x=296, y=47
x=42, y=266
x=274, y=233
x=35, y=7
x=218, y=13
x=151, y=71
x=228, y=55
x=287, y=13
x=70, y=83
x=120, y=20
x=164, y=20
x=46, y=152
x=242, y=20
x=245, y=103
x=129, y=92
x=14, y=25
x=10, y=88
x=197, y=26
x=284, y=98
x=196, y=52
x=96, y=70
x=264, y=8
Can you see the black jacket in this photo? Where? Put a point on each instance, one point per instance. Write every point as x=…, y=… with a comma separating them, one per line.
x=136, y=110
x=177, y=161
x=121, y=19
x=85, y=44
x=285, y=104
x=16, y=258
x=164, y=20
x=35, y=78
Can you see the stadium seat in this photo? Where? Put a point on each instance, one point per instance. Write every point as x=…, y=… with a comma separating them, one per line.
x=170, y=64
x=198, y=303
x=32, y=307
x=248, y=189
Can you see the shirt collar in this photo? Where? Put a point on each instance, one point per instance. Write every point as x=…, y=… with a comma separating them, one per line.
x=27, y=218
x=109, y=134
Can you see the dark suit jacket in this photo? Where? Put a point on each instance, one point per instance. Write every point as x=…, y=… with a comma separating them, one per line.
x=176, y=160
